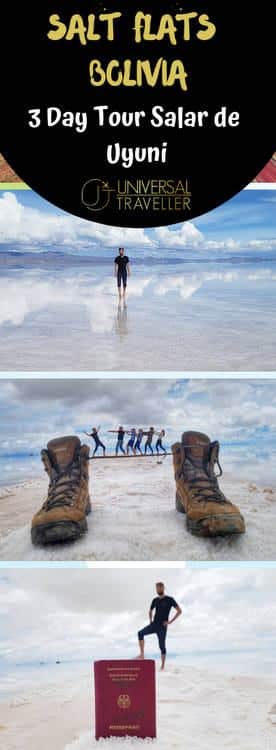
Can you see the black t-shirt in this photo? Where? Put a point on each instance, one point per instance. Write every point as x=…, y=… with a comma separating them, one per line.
x=162, y=606
x=121, y=434
x=121, y=262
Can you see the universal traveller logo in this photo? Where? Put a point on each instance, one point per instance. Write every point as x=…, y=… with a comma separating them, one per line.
x=136, y=195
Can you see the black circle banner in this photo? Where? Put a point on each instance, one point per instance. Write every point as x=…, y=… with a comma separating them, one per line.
x=137, y=113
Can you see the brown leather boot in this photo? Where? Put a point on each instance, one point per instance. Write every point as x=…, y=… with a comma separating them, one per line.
x=62, y=517
x=208, y=512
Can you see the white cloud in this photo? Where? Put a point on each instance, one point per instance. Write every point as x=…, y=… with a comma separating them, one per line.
x=48, y=613
x=25, y=225
x=267, y=244
x=22, y=297
x=240, y=414
x=187, y=285
x=26, y=295
x=185, y=235
x=34, y=228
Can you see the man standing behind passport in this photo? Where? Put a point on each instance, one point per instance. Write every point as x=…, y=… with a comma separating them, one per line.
x=161, y=606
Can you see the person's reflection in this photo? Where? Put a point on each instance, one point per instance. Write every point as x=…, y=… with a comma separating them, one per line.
x=121, y=325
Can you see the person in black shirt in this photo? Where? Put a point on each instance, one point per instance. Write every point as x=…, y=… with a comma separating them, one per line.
x=120, y=440
x=122, y=270
x=161, y=606
x=98, y=443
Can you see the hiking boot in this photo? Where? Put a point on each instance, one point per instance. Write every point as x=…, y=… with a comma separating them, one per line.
x=62, y=517
x=208, y=512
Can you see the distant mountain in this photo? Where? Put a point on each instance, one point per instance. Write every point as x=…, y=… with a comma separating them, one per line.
x=54, y=259
x=47, y=259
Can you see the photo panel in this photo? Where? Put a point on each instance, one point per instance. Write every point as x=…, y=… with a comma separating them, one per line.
x=172, y=469
x=196, y=297
x=70, y=642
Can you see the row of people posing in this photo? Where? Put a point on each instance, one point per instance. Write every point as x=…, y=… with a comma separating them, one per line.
x=134, y=444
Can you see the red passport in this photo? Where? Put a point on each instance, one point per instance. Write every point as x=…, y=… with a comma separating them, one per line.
x=125, y=698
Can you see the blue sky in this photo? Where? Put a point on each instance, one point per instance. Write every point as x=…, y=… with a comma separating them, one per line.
x=247, y=221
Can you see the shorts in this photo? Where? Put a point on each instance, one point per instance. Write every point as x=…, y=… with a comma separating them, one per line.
x=122, y=278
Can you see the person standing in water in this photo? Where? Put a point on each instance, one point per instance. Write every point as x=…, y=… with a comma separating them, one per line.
x=138, y=442
x=120, y=440
x=159, y=444
x=148, y=443
x=131, y=442
x=122, y=271
x=95, y=435
x=161, y=606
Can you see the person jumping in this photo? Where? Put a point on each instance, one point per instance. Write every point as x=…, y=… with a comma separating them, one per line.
x=161, y=605
x=131, y=442
x=95, y=435
x=148, y=443
x=120, y=440
x=159, y=444
x=122, y=270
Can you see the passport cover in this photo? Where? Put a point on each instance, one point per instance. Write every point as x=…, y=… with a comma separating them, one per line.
x=125, y=698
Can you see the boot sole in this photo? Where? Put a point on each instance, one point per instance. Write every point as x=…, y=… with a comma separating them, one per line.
x=60, y=531
x=220, y=525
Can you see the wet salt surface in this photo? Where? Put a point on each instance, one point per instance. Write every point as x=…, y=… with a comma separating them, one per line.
x=184, y=316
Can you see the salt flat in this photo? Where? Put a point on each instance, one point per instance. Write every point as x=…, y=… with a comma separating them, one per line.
x=197, y=708
x=134, y=518
x=185, y=317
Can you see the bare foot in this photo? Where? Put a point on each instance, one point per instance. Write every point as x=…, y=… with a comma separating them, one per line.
x=139, y=657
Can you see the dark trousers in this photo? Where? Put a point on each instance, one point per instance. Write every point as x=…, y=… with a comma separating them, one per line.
x=137, y=446
x=122, y=279
x=98, y=445
x=120, y=446
x=159, y=445
x=148, y=446
x=161, y=632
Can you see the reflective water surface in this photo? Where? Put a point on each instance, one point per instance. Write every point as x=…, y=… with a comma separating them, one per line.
x=217, y=315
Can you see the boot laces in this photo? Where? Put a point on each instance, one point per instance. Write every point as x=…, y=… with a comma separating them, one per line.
x=202, y=486
x=63, y=487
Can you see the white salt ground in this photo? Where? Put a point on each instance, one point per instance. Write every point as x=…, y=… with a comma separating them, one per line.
x=197, y=709
x=134, y=518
